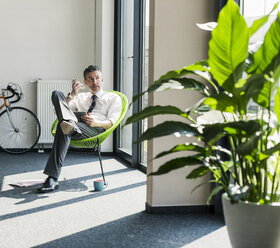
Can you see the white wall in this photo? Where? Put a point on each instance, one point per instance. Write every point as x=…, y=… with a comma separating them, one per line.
x=104, y=40
x=50, y=39
x=175, y=42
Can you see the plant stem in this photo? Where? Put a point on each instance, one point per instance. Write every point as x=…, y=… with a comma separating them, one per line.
x=273, y=189
x=233, y=149
x=265, y=181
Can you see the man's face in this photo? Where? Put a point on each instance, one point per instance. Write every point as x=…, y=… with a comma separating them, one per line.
x=93, y=81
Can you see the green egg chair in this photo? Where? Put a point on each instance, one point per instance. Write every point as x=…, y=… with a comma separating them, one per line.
x=95, y=142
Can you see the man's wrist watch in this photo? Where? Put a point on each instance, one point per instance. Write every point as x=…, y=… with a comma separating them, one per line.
x=70, y=96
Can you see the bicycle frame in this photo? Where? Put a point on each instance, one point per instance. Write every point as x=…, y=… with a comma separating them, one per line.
x=6, y=104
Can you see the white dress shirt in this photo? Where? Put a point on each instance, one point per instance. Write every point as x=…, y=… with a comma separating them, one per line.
x=108, y=105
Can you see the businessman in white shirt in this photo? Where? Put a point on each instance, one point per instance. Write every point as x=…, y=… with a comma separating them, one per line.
x=101, y=110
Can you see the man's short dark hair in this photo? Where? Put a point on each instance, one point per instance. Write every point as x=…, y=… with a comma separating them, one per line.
x=91, y=68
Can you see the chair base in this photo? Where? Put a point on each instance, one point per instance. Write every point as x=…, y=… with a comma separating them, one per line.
x=101, y=166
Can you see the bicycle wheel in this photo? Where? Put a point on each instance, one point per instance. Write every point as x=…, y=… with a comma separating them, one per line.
x=26, y=134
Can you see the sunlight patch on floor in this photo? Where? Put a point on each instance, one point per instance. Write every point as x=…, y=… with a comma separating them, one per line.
x=212, y=239
x=74, y=217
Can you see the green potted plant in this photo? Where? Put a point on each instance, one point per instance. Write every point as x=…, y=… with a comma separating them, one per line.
x=235, y=77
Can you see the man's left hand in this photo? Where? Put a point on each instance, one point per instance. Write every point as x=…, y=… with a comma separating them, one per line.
x=89, y=120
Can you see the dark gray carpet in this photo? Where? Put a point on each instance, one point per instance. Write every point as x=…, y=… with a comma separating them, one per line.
x=76, y=216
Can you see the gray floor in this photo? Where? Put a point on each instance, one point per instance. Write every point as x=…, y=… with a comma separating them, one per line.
x=76, y=216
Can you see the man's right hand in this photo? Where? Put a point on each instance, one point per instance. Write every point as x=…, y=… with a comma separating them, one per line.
x=76, y=86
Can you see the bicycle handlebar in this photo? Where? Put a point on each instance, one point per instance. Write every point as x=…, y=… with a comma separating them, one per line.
x=14, y=92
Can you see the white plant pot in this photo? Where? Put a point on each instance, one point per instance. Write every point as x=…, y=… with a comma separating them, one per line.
x=251, y=225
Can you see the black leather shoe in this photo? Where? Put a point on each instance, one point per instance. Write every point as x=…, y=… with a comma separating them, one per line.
x=49, y=185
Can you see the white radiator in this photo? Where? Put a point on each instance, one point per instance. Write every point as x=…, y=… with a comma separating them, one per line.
x=45, y=110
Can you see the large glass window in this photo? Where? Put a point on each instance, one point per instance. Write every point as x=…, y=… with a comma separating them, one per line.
x=131, y=73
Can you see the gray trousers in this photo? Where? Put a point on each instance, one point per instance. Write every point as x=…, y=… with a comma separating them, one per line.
x=61, y=141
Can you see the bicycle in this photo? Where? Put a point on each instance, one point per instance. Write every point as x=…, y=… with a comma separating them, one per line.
x=19, y=127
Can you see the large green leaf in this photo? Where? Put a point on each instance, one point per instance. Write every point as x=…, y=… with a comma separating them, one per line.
x=261, y=21
x=247, y=147
x=236, y=86
x=178, y=84
x=155, y=110
x=269, y=49
x=183, y=147
x=198, y=172
x=222, y=102
x=212, y=130
x=254, y=85
x=192, y=84
x=176, y=164
x=165, y=78
x=230, y=85
x=245, y=128
x=263, y=98
x=228, y=46
x=238, y=128
x=254, y=88
x=200, y=68
x=169, y=128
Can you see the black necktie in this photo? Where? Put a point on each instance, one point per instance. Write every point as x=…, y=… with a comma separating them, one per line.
x=92, y=104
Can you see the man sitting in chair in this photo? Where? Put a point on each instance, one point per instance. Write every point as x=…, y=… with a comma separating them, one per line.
x=101, y=110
